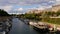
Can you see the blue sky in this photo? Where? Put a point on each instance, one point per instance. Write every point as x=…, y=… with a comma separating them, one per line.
x=21, y=6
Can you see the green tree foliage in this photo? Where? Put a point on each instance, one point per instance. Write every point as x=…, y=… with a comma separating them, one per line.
x=3, y=13
x=41, y=15
x=58, y=12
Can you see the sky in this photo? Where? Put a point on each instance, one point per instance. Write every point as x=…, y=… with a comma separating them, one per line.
x=21, y=6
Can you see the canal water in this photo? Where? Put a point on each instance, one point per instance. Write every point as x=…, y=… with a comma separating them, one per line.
x=19, y=27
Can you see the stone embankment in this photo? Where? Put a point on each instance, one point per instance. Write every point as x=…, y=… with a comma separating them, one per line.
x=5, y=24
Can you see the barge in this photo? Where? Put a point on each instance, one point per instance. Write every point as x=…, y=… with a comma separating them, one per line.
x=43, y=27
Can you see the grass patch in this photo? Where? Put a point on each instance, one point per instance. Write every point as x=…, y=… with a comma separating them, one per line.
x=52, y=20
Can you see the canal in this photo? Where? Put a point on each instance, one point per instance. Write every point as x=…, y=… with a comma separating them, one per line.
x=19, y=27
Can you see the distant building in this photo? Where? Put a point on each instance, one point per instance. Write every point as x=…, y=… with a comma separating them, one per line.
x=34, y=11
x=54, y=8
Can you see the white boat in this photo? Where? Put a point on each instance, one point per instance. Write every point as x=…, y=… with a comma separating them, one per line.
x=2, y=32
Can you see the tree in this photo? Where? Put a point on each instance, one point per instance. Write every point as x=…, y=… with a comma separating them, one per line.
x=3, y=13
x=58, y=12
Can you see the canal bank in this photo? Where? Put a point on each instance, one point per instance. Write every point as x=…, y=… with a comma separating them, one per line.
x=5, y=25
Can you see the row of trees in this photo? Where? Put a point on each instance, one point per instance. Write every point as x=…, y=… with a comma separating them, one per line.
x=52, y=13
x=30, y=16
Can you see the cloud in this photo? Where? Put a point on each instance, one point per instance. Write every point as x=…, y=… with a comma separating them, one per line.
x=17, y=11
x=20, y=9
x=40, y=7
x=6, y=8
x=8, y=5
x=57, y=2
x=27, y=2
x=23, y=2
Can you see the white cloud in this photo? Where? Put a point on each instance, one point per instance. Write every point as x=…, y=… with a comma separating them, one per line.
x=40, y=7
x=5, y=4
x=23, y=2
x=6, y=8
x=20, y=9
x=44, y=7
x=51, y=2
x=57, y=0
